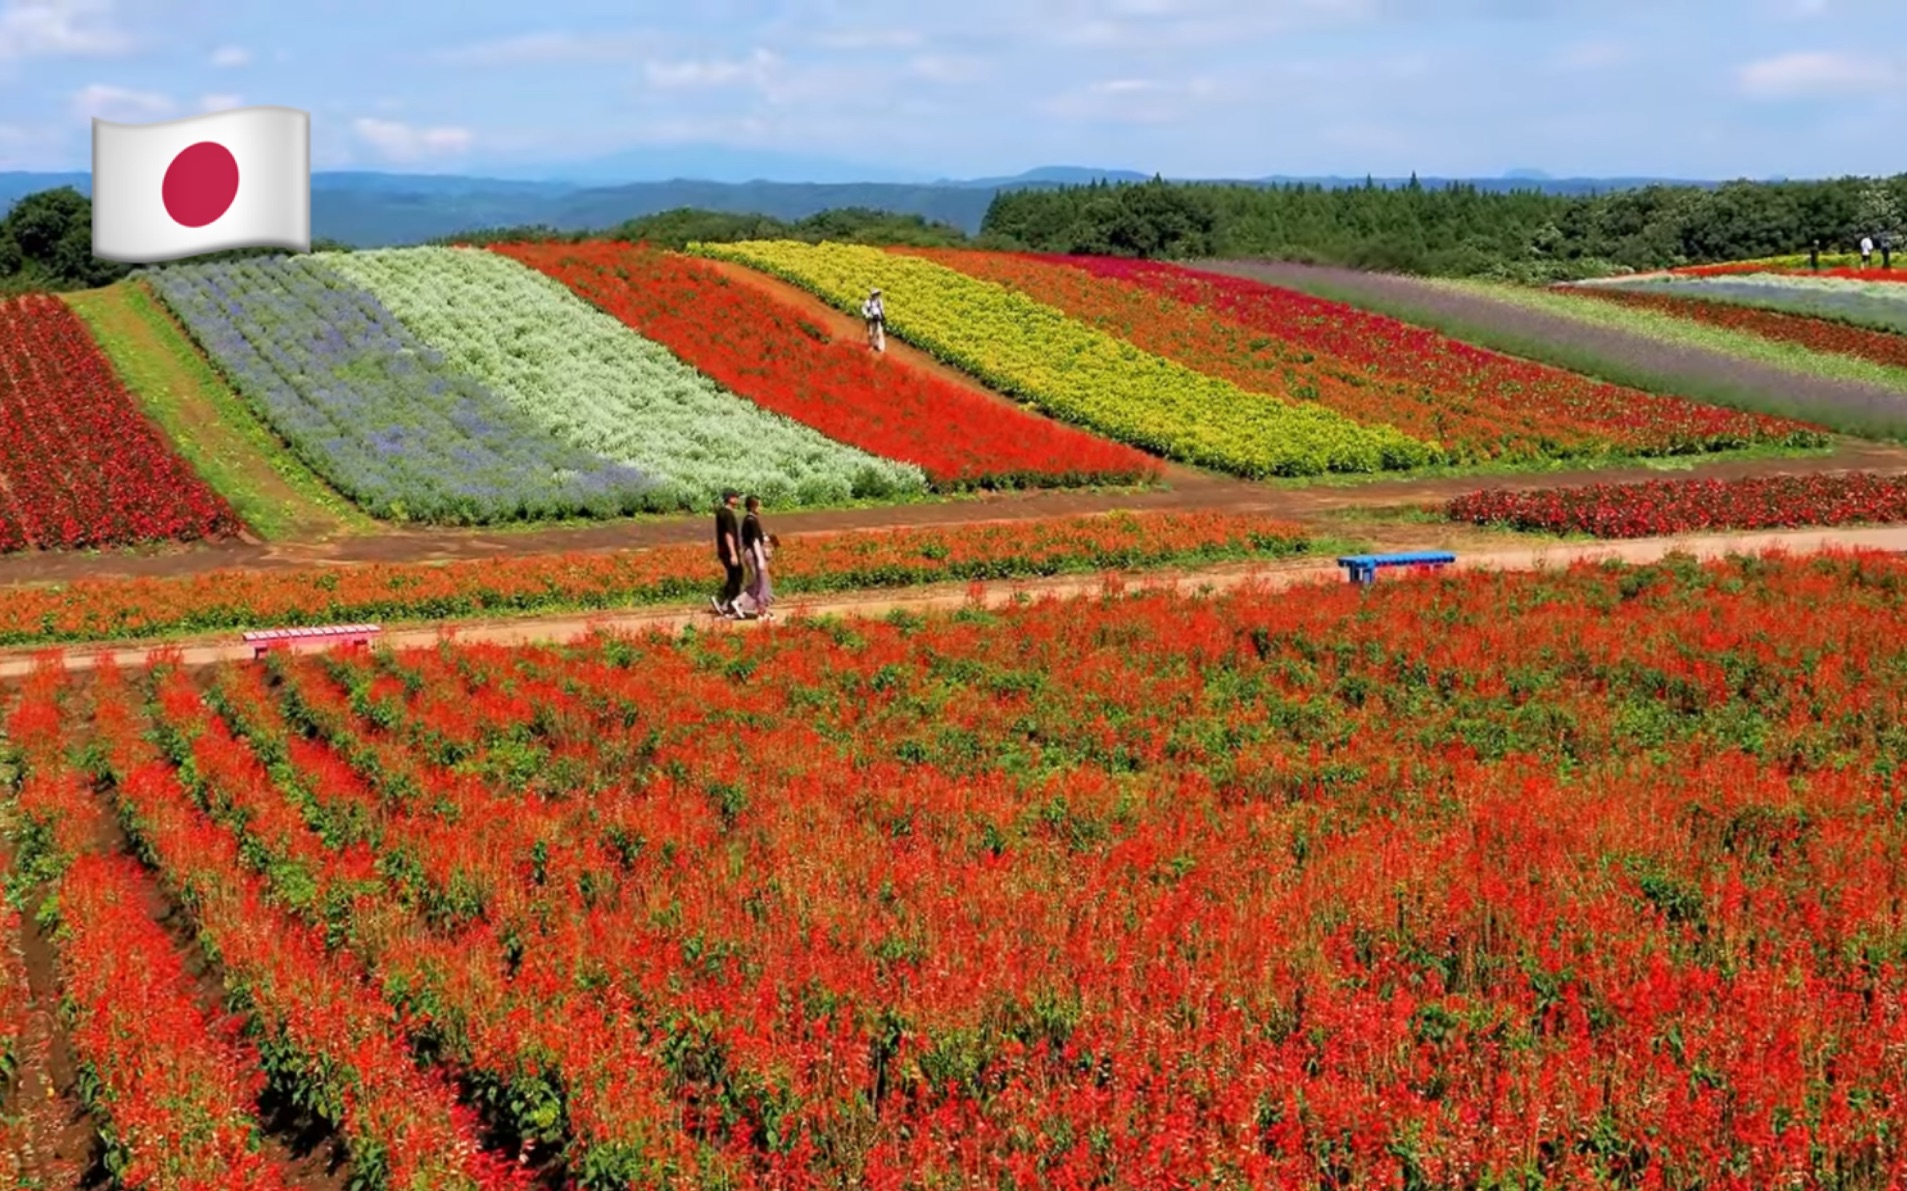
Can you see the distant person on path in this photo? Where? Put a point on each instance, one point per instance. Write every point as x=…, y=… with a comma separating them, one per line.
x=1867, y=251
x=1814, y=256
x=876, y=316
x=728, y=552
x=758, y=546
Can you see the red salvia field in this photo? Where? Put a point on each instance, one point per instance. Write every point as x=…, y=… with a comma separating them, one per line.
x=1319, y=888
x=1815, y=334
x=1660, y=507
x=768, y=352
x=79, y=463
x=1478, y=402
x=119, y=608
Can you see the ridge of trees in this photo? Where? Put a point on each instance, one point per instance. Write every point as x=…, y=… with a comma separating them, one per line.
x=1453, y=230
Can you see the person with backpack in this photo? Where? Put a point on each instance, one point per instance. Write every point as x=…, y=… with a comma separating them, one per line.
x=875, y=315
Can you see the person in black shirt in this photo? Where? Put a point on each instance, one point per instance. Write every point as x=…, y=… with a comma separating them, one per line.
x=728, y=552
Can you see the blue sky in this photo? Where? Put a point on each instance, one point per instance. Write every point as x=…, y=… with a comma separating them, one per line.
x=1685, y=88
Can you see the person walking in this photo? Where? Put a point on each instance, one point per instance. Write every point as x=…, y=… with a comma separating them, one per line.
x=875, y=315
x=728, y=552
x=758, y=546
x=1867, y=251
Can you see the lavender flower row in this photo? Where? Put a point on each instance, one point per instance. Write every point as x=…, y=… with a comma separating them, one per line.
x=378, y=414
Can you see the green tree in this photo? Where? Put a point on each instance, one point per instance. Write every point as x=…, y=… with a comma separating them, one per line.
x=46, y=242
x=1877, y=211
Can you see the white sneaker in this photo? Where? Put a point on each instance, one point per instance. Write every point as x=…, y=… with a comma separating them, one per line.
x=721, y=609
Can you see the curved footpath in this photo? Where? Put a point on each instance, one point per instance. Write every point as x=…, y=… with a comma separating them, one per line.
x=206, y=651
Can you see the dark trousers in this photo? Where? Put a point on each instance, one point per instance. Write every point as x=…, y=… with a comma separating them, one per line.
x=732, y=587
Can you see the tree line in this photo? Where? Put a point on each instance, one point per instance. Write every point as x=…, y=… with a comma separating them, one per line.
x=46, y=239
x=46, y=245
x=688, y=225
x=1452, y=230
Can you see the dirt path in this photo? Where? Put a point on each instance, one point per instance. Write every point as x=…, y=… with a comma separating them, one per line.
x=212, y=650
x=1771, y=387
x=206, y=422
x=1196, y=493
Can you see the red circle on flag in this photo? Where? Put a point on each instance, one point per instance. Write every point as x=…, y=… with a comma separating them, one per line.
x=200, y=184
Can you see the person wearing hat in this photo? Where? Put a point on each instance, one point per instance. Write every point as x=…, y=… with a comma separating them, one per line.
x=876, y=316
x=728, y=551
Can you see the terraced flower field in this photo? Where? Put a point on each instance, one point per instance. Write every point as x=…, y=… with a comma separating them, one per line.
x=586, y=379
x=982, y=899
x=1083, y=375
x=1769, y=322
x=767, y=352
x=1667, y=507
x=1474, y=404
x=1881, y=308
x=385, y=419
x=80, y=464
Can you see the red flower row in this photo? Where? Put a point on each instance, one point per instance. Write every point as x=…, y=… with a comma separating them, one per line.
x=770, y=353
x=1816, y=334
x=983, y=901
x=324, y=1031
x=176, y=1089
x=117, y=609
x=80, y=465
x=1658, y=508
x=1560, y=409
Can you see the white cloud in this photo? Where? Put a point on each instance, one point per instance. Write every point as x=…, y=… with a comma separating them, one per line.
x=754, y=70
x=540, y=48
x=119, y=105
x=400, y=142
x=220, y=103
x=51, y=28
x=870, y=39
x=1134, y=100
x=231, y=55
x=1819, y=72
x=946, y=68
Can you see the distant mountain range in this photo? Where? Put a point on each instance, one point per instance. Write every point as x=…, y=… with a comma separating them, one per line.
x=374, y=210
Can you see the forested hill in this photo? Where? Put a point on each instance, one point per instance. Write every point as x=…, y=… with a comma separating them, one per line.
x=1452, y=230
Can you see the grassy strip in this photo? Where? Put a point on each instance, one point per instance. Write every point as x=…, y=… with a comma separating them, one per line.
x=1672, y=329
x=1561, y=467
x=1613, y=369
x=1800, y=303
x=208, y=423
x=138, y=609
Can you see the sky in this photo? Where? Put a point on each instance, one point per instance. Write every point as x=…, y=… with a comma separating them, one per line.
x=1704, y=89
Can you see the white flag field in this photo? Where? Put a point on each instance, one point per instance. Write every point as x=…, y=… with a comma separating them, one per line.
x=234, y=179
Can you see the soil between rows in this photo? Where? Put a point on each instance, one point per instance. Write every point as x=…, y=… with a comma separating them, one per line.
x=1200, y=493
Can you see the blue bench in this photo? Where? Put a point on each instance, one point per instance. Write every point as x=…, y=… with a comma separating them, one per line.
x=1363, y=568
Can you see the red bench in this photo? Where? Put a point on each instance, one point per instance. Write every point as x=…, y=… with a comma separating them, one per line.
x=264, y=641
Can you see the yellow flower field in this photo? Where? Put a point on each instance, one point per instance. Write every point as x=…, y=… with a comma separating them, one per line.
x=1078, y=374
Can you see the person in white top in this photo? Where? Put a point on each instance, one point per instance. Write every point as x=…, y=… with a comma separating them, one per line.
x=1867, y=251
x=876, y=316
